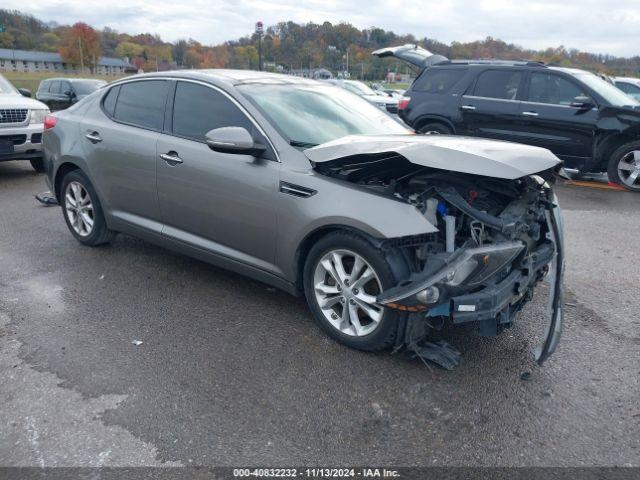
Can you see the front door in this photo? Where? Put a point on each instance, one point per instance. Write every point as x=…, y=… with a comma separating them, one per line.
x=491, y=108
x=220, y=202
x=550, y=120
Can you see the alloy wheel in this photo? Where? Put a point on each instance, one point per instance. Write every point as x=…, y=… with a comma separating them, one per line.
x=79, y=208
x=629, y=169
x=346, y=287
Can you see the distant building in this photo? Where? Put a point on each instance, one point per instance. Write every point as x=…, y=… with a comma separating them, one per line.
x=31, y=61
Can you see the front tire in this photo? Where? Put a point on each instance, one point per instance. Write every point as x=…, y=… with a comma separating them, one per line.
x=82, y=210
x=624, y=166
x=343, y=274
x=435, y=128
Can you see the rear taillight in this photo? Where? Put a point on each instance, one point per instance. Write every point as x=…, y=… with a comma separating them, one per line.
x=50, y=122
x=403, y=103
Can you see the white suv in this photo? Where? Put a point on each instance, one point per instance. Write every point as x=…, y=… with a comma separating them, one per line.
x=21, y=125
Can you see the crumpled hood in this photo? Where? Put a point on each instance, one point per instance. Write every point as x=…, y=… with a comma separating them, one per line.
x=9, y=100
x=490, y=158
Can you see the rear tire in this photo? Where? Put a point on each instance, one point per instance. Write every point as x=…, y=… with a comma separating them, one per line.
x=355, y=295
x=37, y=164
x=435, y=128
x=624, y=166
x=82, y=210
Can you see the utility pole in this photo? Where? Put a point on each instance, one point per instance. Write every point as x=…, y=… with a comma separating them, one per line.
x=81, y=59
x=259, y=32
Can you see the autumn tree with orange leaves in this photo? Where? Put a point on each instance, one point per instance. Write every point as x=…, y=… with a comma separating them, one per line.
x=81, y=46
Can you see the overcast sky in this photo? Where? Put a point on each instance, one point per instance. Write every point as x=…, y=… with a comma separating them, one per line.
x=599, y=26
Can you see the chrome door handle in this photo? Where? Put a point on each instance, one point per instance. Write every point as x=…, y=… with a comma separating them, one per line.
x=467, y=107
x=93, y=137
x=172, y=158
x=530, y=114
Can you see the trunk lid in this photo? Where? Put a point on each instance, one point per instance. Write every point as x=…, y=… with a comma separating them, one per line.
x=411, y=54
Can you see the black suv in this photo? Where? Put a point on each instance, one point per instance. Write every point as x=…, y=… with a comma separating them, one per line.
x=61, y=93
x=585, y=121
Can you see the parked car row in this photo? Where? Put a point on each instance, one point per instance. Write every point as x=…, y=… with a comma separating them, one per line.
x=389, y=235
x=587, y=122
x=22, y=118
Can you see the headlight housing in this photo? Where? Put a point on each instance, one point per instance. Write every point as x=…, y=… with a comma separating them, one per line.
x=37, y=115
x=468, y=267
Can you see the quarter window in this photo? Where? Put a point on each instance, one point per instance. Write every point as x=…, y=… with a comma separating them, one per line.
x=502, y=84
x=438, y=80
x=142, y=103
x=198, y=109
x=109, y=102
x=553, y=89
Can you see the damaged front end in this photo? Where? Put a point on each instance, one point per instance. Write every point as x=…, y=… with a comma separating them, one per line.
x=497, y=239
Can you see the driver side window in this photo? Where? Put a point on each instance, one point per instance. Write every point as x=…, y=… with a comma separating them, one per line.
x=553, y=89
x=198, y=109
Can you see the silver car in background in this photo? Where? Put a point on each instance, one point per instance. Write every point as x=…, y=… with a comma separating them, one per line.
x=389, y=235
x=21, y=125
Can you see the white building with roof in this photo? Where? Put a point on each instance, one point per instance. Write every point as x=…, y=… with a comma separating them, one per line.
x=32, y=61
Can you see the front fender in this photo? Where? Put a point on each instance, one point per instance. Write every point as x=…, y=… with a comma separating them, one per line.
x=340, y=204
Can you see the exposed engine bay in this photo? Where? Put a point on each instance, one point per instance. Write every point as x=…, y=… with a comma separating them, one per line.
x=497, y=239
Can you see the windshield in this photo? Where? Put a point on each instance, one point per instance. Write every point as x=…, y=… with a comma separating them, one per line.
x=85, y=87
x=6, y=86
x=359, y=88
x=308, y=115
x=613, y=95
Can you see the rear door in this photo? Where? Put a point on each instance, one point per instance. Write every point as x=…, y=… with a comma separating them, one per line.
x=549, y=119
x=491, y=106
x=119, y=137
x=221, y=202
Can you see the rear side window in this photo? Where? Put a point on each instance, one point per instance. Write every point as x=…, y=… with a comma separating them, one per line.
x=553, y=89
x=142, y=103
x=109, y=102
x=198, y=109
x=502, y=84
x=438, y=80
x=55, y=87
x=44, y=86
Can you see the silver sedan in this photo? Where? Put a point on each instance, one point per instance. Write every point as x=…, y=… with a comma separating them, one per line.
x=389, y=235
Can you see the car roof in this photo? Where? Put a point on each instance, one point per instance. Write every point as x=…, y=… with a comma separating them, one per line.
x=627, y=79
x=74, y=79
x=230, y=77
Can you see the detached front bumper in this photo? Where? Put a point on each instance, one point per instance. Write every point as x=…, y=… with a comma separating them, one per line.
x=25, y=141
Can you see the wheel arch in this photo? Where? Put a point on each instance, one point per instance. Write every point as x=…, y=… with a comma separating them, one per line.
x=610, y=144
x=425, y=119
x=63, y=170
x=398, y=265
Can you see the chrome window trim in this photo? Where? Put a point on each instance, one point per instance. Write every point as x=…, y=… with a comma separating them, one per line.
x=200, y=82
x=554, y=104
x=490, y=98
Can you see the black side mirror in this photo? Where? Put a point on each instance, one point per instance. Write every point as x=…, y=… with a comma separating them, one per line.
x=233, y=140
x=25, y=92
x=583, y=103
x=68, y=93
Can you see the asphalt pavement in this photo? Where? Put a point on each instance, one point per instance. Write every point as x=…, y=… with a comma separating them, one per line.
x=231, y=372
